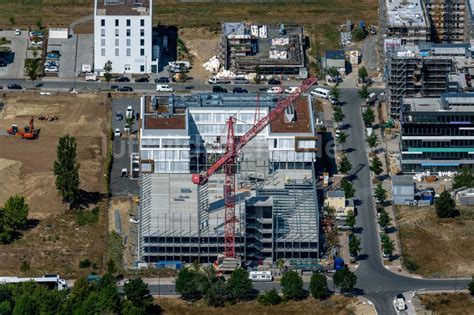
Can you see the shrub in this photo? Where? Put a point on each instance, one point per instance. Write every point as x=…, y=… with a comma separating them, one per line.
x=270, y=297
x=85, y=263
x=410, y=264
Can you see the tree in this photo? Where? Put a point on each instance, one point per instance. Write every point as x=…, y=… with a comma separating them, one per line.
x=217, y=293
x=341, y=138
x=349, y=190
x=465, y=178
x=270, y=297
x=358, y=34
x=338, y=115
x=384, y=219
x=354, y=245
x=362, y=73
x=350, y=219
x=137, y=293
x=25, y=305
x=380, y=193
x=239, y=284
x=66, y=169
x=376, y=166
x=13, y=216
x=188, y=285
x=345, y=165
x=372, y=140
x=292, y=285
x=470, y=286
x=333, y=72
x=445, y=205
x=32, y=68
x=335, y=91
x=108, y=69
x=364, y=92
x=12, y=20
x=318, y=286
x=345, y=280
x=368, y=116
x=388, y=245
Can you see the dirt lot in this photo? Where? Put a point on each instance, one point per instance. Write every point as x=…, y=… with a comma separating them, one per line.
x=448, y=303
x=440, y=247
x=335, y=305
x=54, y=243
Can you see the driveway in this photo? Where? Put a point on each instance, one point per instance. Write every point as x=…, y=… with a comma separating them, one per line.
x=123, y=147
x=16, y=62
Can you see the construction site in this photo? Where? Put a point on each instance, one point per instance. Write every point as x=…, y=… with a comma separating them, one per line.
x=31, y=125
x=228, y=178
x=269, y=49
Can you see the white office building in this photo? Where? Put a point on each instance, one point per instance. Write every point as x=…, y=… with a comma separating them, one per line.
x=123, y=35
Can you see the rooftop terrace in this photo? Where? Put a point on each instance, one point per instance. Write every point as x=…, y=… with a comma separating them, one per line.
x=123, y=7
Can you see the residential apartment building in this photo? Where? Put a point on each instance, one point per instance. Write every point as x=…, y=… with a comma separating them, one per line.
x=123, y=35
x=408, y=21
x=437, y=133
x=448, y=20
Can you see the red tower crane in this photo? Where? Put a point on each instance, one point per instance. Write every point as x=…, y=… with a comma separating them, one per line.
x=227, y=161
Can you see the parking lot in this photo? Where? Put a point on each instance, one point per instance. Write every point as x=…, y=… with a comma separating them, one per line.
x=16, y=59
x=69, y=66
x=123, y=147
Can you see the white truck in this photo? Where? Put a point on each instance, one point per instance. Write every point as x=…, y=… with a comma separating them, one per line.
x=91, y=76
x=49, y=280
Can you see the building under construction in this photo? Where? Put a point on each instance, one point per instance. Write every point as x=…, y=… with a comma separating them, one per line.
x=426, y=70
x=268, y=49
x=407, y=20
x=449, y=20
x=276, y=208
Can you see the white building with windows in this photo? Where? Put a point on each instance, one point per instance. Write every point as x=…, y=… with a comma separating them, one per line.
x=123, y=35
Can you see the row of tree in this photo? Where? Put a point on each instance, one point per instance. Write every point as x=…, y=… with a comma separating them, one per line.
x=194, y=284
x=102, y=297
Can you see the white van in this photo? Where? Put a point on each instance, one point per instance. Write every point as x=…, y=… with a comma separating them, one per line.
x=261, y=276
x=215, y=80
x=320, y=92
x=164, y=88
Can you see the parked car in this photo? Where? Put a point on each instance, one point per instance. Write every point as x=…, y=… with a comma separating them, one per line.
x=52, y=56
x=164, y=88
x=117, y=133
x=51, y=69
x=162, y=80
x=129, y=112
x=218, y=89
x=14, y=86
x=238, y=80
x=400, y=302
x=126, y=128
x=114, y=87
x=274, y=82
x=122, y=79
x=124, y=172
x=291, y=89
x=125, y=89
x=134, y=220
x=239, y=90
x=51, y=63
x=141, y=80
x=275, y=90
x=333, y=100
x=215, y=80
x=119, y=116
x=17, y=32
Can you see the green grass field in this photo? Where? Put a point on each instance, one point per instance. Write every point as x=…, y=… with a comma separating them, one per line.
x=320, y=17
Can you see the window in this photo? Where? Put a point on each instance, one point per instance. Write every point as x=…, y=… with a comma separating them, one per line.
x=102, y=52
x=116, y=22
x=142, y=69
x=102, y=32
x=116, y=42
x=116, y=52
x=142, y=52
x=129, y=42
x=128, y=22
x=142, y=32
x=142, y=22
x=142, y=42
x=102, y=42
x=102, y=22
x=129, y=52
x=128, y=32
x=116, y=32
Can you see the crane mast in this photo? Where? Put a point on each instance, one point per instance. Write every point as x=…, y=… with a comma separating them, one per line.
x=227, y=161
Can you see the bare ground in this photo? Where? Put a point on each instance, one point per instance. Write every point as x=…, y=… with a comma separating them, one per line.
x=441, y=247
x=53, y=242
x=448, y=303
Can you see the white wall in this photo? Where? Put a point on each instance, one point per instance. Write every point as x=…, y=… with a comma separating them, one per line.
x=120, y=62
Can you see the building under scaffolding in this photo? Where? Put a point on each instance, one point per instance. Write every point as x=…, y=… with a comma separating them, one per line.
x=276, y=205
x=448, y=20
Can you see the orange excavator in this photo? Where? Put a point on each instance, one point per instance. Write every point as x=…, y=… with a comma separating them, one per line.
x=29, y=132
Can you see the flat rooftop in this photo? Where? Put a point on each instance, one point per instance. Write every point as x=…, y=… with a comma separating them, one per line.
x=448, y=102
x=301, y=123
x=123, y=7
x=405, y=13
x=157, y=116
